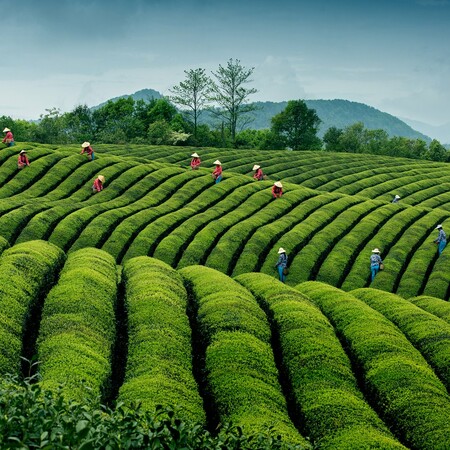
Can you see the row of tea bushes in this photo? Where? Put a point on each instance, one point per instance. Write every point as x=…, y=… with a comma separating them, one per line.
x=436, y=306
x=159, y=361
x=77, y=331
x=429, y=334
x=333, y=411
x=438, y=283
x=396, y=379
x=27, y=271
x=241, y=375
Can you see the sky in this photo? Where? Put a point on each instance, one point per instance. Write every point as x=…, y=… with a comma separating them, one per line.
x=393, y=55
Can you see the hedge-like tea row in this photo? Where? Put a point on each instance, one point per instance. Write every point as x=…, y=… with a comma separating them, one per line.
x=241, y=374
x=159, y=362
x=333, y=411
x=77, y=331
x=438, y=283
x=436, y=306
x=27, y=271
x=407, y=394
x=429, y=334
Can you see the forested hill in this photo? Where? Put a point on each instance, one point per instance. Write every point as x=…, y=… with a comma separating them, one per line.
x=337, y=113
x=340, y=113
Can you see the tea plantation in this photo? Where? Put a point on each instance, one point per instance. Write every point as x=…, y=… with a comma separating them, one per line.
x=160, y=292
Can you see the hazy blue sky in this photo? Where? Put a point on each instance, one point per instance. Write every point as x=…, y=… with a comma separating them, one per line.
x=391, y=54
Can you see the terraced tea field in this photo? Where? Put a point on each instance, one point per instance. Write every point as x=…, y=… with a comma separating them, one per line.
x=335, y=209
x=324, y=368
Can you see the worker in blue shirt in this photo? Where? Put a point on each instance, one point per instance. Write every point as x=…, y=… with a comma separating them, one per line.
x=441, y=240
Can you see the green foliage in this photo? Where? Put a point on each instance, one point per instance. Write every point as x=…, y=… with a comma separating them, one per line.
x=396, y=378
x=241, y=375
x=159, y=366
x=297, y=126
x=77, y=331
x=27, y=271
x=32, y=417
x=331, y=408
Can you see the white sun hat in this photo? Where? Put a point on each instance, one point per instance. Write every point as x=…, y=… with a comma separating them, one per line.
x=217, y=162
x=278, y=184
x=439, y=226
x=375, y=250
x=85, y=144
x=194, y=155
x=101, y=178
x=22, y=151
x=397, y=196
x=281, y=250
x=256, y=167
x=6, y=129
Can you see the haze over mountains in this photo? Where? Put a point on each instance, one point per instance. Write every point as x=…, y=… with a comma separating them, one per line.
x=338, y=113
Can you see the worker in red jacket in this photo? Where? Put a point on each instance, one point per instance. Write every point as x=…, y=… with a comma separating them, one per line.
x=98, y=184
x=277, y=189
x=258, y=175
x=217, y=174
x=195, y=161
x=9, y=138
x=86, y=148
x=23, y=160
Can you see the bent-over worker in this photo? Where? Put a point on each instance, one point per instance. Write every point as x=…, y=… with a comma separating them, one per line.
x=23, y=160
x=98, y=184
x=396, y=199
x=258, y=175
x=277, y=189
x=9, y=138
x=195, y=161
x=86, y=148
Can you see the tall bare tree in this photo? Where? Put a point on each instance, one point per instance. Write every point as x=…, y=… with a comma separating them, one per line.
x=229, y=93
x=192, y=94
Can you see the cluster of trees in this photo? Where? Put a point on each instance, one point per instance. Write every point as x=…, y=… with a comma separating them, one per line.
x=176, y=120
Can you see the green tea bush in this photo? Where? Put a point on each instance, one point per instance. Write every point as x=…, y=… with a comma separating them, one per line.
x=159, y=362
x=438, y=283
x=77, y=331
x=330, y=407
x=429, y=334
x=27, y=271
x=397, y=380
x=240, y=370
x=32, y=417
x=436, y=306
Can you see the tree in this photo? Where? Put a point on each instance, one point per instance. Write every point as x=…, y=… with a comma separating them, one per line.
x=192, y=94
x=297, y=126
x=230, y=94
x=436, y=151
x=332, y=139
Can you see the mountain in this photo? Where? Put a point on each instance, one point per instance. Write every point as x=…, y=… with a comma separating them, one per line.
x=440, y=132
x=337, y=113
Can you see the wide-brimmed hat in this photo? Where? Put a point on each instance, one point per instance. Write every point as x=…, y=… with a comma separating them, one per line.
x=281, y=250
x=375, y=250
x=439, y=226
x=6, y=129
x=85, y=144
x=217, y=162
x=397, y=196
x=278, y=184
x=194, y=155
x=22, y=151
x=101, y=178
x=256, y=167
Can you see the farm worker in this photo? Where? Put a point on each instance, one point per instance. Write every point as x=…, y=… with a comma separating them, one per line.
x=217, y=174
x=195, y=161
x=282, y=264
x=441, y=240
x=396, y=199
x=375, y=261
x=277, y=189
x=258, y=175
x=9, y=138
x=23, y=160
x=98, y=184
x=86, y=148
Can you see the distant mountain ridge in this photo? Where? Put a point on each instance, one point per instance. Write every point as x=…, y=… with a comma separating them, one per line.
x=337, y=113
